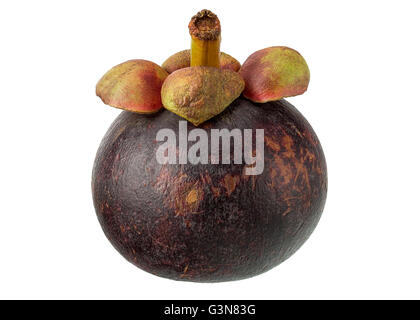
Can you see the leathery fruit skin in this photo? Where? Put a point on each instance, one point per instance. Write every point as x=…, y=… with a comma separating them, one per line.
x=210, y=223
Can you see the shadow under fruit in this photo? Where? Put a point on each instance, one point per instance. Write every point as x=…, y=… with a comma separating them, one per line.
x=208, y=222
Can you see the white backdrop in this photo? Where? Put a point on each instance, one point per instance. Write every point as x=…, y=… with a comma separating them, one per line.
x=363, y=102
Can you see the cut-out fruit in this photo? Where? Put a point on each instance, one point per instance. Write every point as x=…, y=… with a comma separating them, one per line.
x=133, y=85
x=199, y=93
x=182, y=59
x=274, y=73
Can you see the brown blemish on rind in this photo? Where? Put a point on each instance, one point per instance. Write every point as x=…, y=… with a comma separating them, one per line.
x=285, y=170
x=192, y=196
x=181, y=195
x=287, y=144
x=291, y=168
x=184, y=273
x=271, y=143
x=230, y=182
x=208, y=181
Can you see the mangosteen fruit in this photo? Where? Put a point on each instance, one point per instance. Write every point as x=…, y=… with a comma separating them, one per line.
x=227, y=180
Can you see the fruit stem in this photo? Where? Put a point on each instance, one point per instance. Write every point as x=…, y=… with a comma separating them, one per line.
x=205, y=39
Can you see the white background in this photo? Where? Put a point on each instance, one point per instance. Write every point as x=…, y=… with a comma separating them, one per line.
x=363, y=102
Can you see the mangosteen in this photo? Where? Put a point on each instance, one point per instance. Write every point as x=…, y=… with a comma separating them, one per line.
x=227, y=180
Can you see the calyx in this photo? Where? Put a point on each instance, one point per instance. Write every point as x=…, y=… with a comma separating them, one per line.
x=200, y=83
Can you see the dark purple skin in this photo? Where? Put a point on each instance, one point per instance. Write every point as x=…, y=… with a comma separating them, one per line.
x=210, y=223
